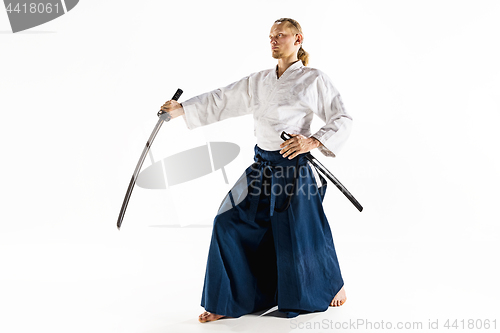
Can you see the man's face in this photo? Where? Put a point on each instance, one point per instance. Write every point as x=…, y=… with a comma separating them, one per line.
x=282, y=41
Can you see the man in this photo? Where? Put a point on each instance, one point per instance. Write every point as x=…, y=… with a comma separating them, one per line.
x=274, y=247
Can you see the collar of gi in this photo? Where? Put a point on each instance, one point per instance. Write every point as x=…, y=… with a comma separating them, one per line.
x=296, y=65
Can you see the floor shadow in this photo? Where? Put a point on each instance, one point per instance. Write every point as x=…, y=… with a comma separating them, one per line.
x=275, y=314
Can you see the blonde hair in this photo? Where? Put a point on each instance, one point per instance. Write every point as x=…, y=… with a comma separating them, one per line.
x=301, y=54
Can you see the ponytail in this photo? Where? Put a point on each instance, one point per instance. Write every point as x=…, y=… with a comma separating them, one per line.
x=303, y=56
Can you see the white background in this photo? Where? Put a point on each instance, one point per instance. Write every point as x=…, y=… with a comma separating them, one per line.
x=78, y=99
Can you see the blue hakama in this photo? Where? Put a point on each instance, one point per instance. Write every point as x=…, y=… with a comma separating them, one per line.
x=272, y=248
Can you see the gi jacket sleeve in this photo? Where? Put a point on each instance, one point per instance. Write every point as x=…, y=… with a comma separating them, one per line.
x=231, y=101
x=337, y=122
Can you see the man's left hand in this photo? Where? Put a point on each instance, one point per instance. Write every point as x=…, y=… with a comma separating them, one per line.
x=298, y=144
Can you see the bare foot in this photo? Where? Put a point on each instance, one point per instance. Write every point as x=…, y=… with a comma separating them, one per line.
x=339, y=299
x=207, y=316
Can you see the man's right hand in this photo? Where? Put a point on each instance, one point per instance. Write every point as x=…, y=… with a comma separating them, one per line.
x=174, y=108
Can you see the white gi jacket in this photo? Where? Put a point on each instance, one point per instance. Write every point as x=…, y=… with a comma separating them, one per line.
x=284, y=104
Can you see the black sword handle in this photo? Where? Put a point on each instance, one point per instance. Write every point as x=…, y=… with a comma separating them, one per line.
x=160, y=113
x=285, y=136
x=141, y=161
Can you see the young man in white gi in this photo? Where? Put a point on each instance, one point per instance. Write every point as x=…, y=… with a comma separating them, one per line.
x=274, y=247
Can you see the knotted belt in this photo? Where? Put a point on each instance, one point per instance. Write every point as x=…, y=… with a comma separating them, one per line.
x=262, y=165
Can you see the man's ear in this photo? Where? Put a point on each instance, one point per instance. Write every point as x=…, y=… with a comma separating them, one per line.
x=298, y=39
